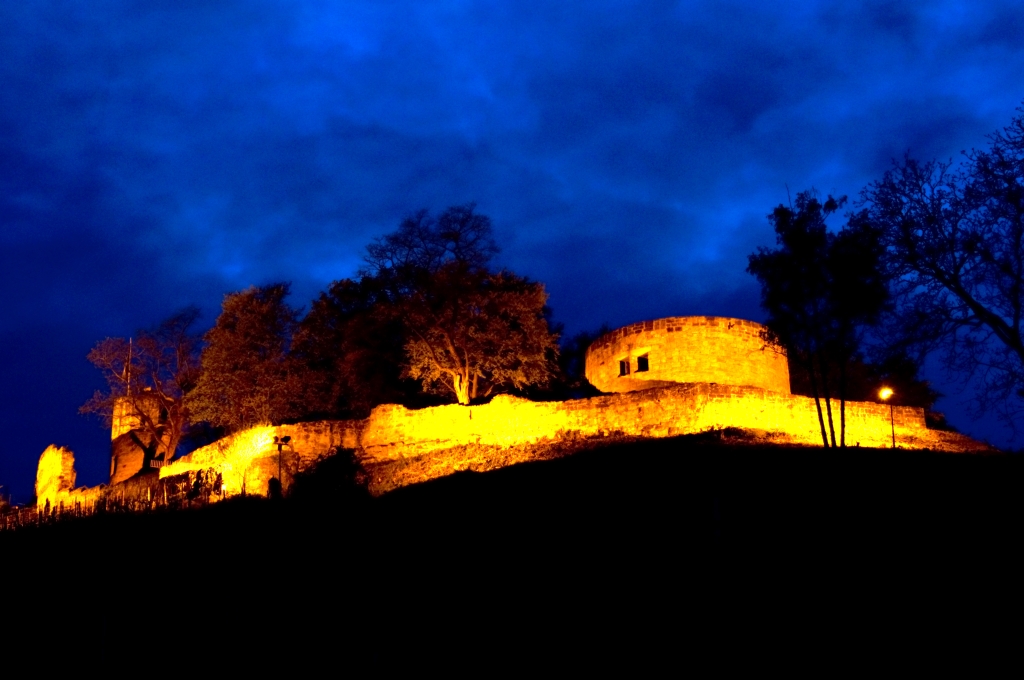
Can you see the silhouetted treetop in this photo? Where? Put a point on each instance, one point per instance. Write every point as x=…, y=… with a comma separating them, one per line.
x=472, y=332
x=468, y=330
x=246, y=378
x=425, y=242
x=953, y=240
x=349, y=350
x=820, y=289
x=148, y=377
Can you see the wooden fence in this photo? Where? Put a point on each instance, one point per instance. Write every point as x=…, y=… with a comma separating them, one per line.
x=139, y=494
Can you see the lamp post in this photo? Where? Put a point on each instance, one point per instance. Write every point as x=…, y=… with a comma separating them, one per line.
x=281, y=443
x=884, y=395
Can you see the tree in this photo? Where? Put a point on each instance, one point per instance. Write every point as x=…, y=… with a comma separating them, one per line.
x=148, y=377
x=468, y=330
x=954, y=257
x=246, y=378
x=424, y=244
x=349, y=350
x=864, y=377
x=572, y=361
x=820, y=290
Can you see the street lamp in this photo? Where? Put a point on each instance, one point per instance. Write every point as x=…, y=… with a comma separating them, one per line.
x=884, y=395
x=281, y=443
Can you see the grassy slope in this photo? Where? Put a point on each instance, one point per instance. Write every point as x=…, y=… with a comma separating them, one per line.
x=688, y=527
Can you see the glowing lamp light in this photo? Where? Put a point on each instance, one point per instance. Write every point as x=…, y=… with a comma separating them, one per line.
x=884, y=395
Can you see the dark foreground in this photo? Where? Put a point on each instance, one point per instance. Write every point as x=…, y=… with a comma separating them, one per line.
x=630, y=553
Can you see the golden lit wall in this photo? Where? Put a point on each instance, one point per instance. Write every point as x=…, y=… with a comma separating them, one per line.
x=125, y=417
x=83, y=498
x=252, y=456
x=394, y=432
x=688, y=349
x=55, y=482
x=55, y=474
x=127, y=457
x=443, y=433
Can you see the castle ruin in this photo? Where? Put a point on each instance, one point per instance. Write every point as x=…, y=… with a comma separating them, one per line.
x=133, y=448
x=662, y=378
x=668, y=377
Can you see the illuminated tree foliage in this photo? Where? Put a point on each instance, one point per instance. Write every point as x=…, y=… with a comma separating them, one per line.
x=468, y=331
x=148, y=377
x=820, y=290
x=246, y=378
x=954, y=255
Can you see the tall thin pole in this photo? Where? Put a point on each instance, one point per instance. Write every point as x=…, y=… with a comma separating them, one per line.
x=892, y=425
x=884, y=394
x=128, y=369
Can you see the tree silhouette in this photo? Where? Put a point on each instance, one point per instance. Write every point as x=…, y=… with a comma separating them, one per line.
x=349, y=350
x=468, y=330
x=954, y=255
x=148, y=377
x=423, y=243
x=246, y=378
x=820, y=289
x=572, y=380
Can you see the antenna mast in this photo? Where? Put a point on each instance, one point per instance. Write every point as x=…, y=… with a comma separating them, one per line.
x=128, y=369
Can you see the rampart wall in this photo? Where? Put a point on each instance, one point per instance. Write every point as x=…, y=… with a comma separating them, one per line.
x=55, y=474
x=508, y=430
x=393, y=432
x=689, y=349
x=55, y=482
x=249, y=459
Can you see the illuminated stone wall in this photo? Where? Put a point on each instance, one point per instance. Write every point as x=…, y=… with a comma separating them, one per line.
x=127, y=456
x=55, y=482
x=55, y=473
x=393, y=431
x=490, y=435
x=132, y=448
x=83, y=498
x=125, y=417
x=399, y=446
x=252, y=458
x=688, y=349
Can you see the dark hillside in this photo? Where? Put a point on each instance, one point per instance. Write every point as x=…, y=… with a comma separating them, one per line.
x=602, y=541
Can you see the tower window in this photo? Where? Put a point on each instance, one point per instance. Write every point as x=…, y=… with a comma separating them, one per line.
x=624, y=367
x=642, y=364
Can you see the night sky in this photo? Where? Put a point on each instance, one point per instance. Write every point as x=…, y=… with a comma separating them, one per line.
x=160, y=154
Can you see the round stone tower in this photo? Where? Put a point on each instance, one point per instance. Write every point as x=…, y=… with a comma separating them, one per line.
x=686, y=349
x=132, y=447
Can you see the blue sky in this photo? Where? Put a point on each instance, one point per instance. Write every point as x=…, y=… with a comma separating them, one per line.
x=160, y=154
